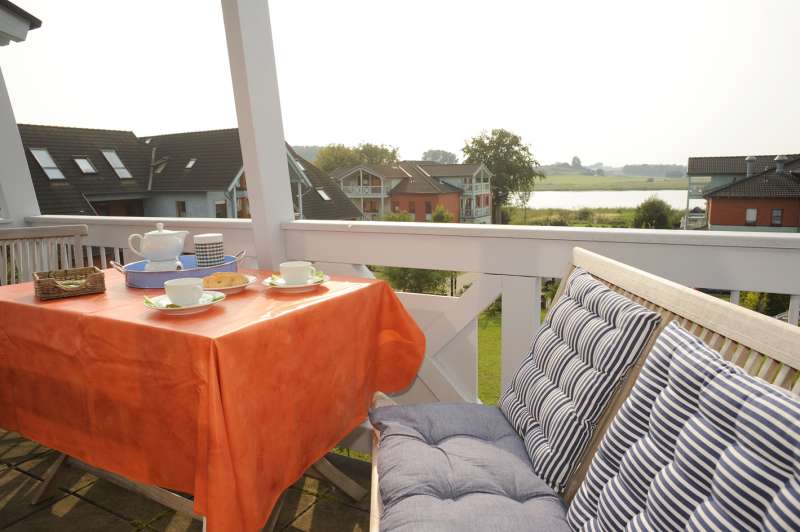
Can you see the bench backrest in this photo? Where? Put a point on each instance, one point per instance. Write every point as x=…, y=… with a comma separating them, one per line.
x=26, y=250
x=762, y=346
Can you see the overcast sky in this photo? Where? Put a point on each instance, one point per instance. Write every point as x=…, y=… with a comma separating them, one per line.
x=613, y=81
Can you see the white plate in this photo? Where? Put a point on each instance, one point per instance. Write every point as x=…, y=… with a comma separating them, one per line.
x=277, y=283
x=160, y=303
x=230, y=290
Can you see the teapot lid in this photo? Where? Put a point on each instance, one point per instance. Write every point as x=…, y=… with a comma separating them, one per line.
x=160, y=231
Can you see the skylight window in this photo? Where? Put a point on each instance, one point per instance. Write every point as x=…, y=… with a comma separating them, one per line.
x=323, y=194
x=85, y=165
x=116, y=163
x=47, y=163
x=190, y=163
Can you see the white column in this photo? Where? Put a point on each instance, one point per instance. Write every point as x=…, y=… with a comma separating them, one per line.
x=522, y=297
x=735, y=295
x=258, y=109
x=17, y=197
x=794, y=310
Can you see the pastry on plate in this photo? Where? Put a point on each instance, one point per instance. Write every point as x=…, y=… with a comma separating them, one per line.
x=224, y=280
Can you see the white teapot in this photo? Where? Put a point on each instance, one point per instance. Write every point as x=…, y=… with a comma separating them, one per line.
x=159, y=246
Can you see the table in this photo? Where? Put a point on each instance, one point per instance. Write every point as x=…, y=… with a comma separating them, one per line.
x=231, y=405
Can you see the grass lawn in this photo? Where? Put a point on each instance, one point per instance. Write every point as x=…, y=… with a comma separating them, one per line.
x=489, y=359
x=597, y=217
x=613, y=182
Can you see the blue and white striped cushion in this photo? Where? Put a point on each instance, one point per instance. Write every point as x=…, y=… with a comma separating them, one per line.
x=588, y=341
x=698, y=445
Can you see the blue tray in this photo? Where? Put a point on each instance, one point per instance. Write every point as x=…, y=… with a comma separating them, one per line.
x=137, y=277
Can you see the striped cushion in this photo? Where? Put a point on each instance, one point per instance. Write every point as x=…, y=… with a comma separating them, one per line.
x=698, y=445
x=588, y=341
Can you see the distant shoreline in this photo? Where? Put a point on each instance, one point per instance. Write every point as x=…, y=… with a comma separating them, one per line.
x=567, y=183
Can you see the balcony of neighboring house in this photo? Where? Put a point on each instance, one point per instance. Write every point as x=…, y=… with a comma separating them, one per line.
x=363, y=191
x=477, y=212
x=477, y=188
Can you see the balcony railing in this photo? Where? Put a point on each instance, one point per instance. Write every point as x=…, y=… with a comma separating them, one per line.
x=477, y=212
x=363, y=191
x=476, y=188
x=507, y=261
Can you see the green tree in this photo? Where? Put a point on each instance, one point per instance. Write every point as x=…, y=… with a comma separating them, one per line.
x=512, y=163
x=334, y=156
x=765, y=303
x=440, y=156
x=441, y=215
x=653, y=213
x=377, y=154
x=576, y=162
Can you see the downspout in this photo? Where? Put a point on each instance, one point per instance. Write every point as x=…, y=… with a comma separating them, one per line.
x=300, y=200
x=152, y=163
x=232, y=191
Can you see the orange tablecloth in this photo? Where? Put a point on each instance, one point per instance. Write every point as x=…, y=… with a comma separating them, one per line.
x=232, y=405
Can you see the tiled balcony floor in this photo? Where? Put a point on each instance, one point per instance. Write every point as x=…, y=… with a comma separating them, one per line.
x=87, y=504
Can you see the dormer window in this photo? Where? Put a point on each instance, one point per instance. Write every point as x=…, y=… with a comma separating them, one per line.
x=323, y=194
x=160, y=167
x=47, y=163
x=116, y=163
x=190, y=164
x=85, y=165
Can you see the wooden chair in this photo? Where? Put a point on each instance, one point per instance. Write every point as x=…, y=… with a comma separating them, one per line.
x=762, y=346
x=25, y=250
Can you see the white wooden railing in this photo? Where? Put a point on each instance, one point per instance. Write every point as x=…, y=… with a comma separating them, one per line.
x=477, y=212
x=476, y=188
x=507, y=261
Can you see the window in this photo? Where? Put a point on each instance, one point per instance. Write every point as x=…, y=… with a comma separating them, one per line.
x=221, y=209
x=428, y=207
x=116, y=163
x=412, y=207
x=371, y=205
x=751, y=216
x=85, y=165
x=47, y=163
x=777, y=216
x=190, y=164
x=180, y=209
x=160, y=167
x=395, y=206
x=323, y=194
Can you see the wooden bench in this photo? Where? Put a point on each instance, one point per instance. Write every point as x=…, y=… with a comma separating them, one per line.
x=762, y=346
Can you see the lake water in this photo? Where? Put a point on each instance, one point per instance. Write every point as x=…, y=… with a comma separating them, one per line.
x=557, y=199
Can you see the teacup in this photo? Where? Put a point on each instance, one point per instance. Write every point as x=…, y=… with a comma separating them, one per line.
x=297, y=271
x=184, y=292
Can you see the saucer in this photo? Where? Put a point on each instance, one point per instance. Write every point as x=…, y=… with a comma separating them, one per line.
x=276, y=282
x=163, y=304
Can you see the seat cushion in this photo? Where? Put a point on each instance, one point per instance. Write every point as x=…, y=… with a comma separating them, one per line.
x=587, y=343
x=458, y=467
x=698, y=445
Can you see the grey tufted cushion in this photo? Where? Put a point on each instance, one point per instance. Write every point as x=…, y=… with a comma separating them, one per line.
x=588, y=341
x=459, y=467
x=698, y=445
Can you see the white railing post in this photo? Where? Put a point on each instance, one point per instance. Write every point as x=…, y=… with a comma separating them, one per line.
x=258, y=109
x=17, y=197
x=794, y=310
x=522, y=307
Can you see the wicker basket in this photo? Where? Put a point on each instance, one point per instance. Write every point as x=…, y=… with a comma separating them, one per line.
x=58, y=284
